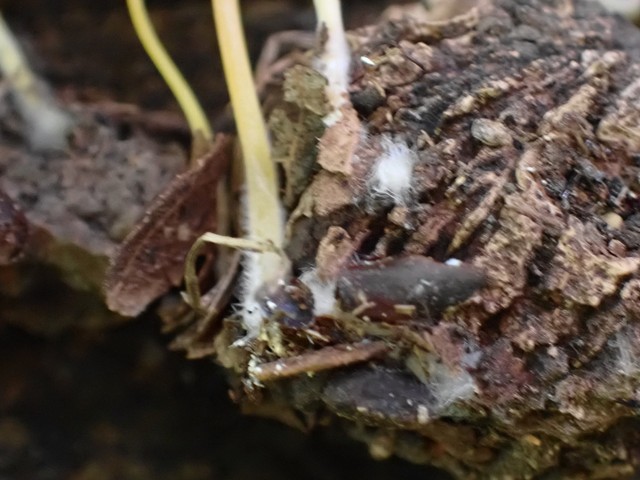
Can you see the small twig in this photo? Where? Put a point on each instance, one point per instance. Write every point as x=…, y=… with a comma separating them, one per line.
x=324, y=359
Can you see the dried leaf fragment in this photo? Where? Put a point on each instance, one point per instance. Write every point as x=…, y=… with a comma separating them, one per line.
x=151, y=259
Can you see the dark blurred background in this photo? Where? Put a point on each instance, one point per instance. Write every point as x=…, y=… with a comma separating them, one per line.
x=88, y=49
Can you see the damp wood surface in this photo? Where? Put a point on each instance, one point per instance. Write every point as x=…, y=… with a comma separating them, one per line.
x=519, y=121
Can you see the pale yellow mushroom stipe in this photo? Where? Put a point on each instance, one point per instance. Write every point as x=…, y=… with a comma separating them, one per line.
x=265, y=221
x=197, y=120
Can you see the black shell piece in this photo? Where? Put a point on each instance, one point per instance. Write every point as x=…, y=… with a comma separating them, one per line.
x=291, y=305
x=364, y=393
x=411, y=280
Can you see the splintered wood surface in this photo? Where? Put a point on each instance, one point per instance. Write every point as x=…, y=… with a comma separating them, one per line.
x=115, y=403
x=470, y=222
x=502, y=272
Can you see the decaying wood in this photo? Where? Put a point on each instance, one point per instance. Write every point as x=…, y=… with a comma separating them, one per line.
x=488, y=272
x=520, y=120
x=14, y=230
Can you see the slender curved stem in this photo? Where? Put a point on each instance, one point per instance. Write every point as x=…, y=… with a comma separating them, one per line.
x=335, y=58
x=263, y=200
x=190, y=275
x=192, y=110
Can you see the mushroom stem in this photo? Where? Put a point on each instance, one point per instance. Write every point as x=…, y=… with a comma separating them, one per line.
x=197, y=120
x=47, y=125
x=263, y=208
x=335, y=59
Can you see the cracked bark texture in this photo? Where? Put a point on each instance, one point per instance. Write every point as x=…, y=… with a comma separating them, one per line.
x=524, y=120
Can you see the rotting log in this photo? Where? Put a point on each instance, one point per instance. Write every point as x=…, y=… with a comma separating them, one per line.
x=464, y=243
x=525, y=124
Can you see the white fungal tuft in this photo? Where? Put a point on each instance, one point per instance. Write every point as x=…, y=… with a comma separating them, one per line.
x=252, y=312
x=628, y=363
x=324, y=292
x=393, y=171
x=449, y=385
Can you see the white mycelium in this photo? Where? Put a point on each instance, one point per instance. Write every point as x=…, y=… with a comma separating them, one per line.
x=392, y=173
x=323, y=291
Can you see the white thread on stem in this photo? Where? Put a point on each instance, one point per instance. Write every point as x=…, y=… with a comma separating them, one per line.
x=263, y=208
x=335, y=59
x=392, y=173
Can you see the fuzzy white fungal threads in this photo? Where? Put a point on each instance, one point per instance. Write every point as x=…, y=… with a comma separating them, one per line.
x=252, y=312
x=449, y=386
x=324, y=292
x=628, y=363
x=392, y=173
